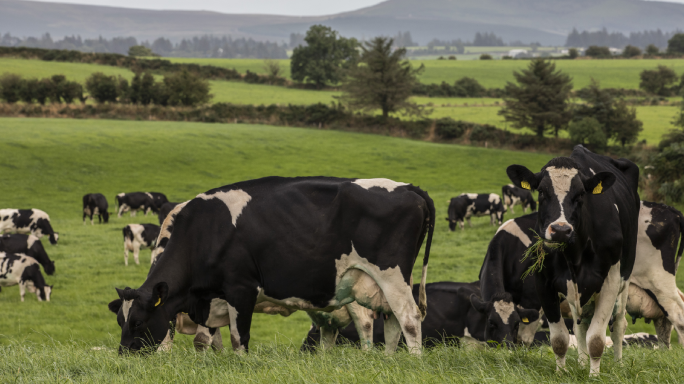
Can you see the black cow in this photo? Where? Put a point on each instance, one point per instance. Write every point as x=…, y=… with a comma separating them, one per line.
x=306, y=243
x=513, y=195
x=137, y=236
x=95, y=204
x=28, y=245
x=467, y=205
x=27, y=221
x=586, y=202
x=164, y=210
x=159, y=199
x=455, y=314
x=24, y=271
x=134, y=202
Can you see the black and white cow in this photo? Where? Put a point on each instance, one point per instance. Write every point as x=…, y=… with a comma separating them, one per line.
x=27, y=221
x=159, y=199
x=30, y=246
x=586, y=202
x=138, y=236
x=24, y=271
x=95, y=204
x=306, y=243
x=134, y=202
x=164, y=210
x=513, y=195
x=467, y=205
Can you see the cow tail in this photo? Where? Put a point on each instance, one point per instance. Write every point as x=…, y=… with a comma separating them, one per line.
x=422, y=296
x=681, y=236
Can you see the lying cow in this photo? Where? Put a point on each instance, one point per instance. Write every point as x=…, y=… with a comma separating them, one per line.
x=23, y=270
x=337, y=230
x=138, y=236
x=134, y=202
x=513, y=195
x=30, y=246
x=27, y=221
x=467, y=205
x=164, y=211
x=95, y=204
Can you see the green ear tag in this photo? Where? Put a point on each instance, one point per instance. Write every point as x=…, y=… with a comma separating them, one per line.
x=599, y=189
x=525, y=185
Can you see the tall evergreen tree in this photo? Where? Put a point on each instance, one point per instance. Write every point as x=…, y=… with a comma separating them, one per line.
x=383, y=80
x=539, y=100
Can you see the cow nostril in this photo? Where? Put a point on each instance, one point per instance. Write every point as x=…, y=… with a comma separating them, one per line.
x=560, y=229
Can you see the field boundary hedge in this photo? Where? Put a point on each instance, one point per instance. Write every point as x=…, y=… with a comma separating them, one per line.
x=319, y=116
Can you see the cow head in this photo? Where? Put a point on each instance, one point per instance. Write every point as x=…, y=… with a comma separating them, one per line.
x=142, y=317
x=503, y=318
x=105, y=217
x=561, y=187
x=53, y=238
x=44, y=293
x=49, y=267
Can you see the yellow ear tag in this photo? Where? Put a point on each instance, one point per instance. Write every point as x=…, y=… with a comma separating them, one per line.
x=525, y=185
x=599, y=189
x=524, y=320
x=158, y=302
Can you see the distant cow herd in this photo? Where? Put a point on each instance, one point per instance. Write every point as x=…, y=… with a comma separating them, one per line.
x=343, y=250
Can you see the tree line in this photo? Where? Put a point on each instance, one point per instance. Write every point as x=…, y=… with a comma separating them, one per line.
x=199, y=46
x=643, y=39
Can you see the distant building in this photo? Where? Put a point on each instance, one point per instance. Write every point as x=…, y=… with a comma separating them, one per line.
x=516, y=52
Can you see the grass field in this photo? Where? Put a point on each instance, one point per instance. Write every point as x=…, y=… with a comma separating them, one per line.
x=51, y=163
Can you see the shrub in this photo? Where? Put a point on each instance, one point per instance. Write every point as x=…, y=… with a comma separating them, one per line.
x=140, y=50
x=485, y=56
x=470, y=87
x=483, y=133
x=71, y=91
x=675, y=46
x=142, y=89
x=448, y=128
x=573, y=53
x=598, y=52
x=452, y=57
x=652, y=50
x=658, y=81
x=631, y=51
x=10, y=87
x=45, y=90
x=186, y=88
x=102, y=88
x=588, y=131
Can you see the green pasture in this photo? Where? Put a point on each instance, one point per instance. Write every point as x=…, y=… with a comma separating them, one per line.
x=51, y=163
x=243, y=93
x=73, y=71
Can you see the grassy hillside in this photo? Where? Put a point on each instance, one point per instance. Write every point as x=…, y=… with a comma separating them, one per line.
x=73, y=71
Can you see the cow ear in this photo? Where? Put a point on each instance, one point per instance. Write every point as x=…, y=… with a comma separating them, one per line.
x=528, y=315
x=160, y=293
x=599, y=183
x=115, y=305
x=522, y=177
x=120, y=293
x=478, y=304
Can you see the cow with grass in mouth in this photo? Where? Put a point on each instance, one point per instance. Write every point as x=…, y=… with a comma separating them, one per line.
x=306, y=243
x=586, y=202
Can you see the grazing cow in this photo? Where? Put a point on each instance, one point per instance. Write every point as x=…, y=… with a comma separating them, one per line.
x=164, y=210
x=467, y=205
x=134, y=202
x=513, y=195
x=137, y=236
x=95, y=204
x=455, y=313
x=25, y=221
x=586, y=202
x=30, y=246
x=159, y=199
x=21, y=269
x=309, y=243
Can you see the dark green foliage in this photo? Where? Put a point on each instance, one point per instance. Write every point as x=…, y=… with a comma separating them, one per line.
x=588, y=131
x=448, y=128
x=485, y=56
x=469, y=87
x=631, y=51
x=140, y=50
x=483, y=133
x=652, y=50
x=598, y=52
x=573, y=53
x=539, y=100
x=28, y=90
x=124, y=90
x=71, y=91
x=384, y=80
x=43, y=91
x=675, y=46
x=187, y=89
x=142, y=89
x=10, y=87
x=667, y=167
x=658, y=81
x=102, y=88
x=322, y=60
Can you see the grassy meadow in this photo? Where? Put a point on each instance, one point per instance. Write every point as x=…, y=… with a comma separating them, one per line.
x=51, y=163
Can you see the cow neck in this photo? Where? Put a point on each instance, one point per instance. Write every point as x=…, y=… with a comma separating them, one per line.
x=574, y=253
x=171, y=270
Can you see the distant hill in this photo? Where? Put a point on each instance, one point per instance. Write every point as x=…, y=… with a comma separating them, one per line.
x=546, y=21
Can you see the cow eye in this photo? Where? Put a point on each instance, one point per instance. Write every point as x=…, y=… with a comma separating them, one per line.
x=492, y=324
x=137, y=324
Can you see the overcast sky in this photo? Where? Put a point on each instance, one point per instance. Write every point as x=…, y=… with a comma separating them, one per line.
x=275, y=7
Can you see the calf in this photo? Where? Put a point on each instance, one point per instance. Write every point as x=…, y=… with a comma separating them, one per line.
x=310, y=243
x=164, y=210
x=134, y=202
x=23, y=270
x=467, y=205
x=25, y=221
x=30, y=246
x=586, y=202
x=95, y=204
x=137, y=236
x=513, y=195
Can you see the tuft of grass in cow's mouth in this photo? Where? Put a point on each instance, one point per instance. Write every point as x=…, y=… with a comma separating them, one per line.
x=537, y=252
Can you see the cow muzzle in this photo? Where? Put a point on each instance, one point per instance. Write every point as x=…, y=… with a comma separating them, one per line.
x=559, y=232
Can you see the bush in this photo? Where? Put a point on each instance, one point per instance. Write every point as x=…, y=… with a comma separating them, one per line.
x=658, y=81
x=485, y=56
x=631, y=51
x=483, y=133
x=652, y=50
x=10, y=87
x=187, y=89
x=573, y=53
x=588, y=131
x=71, y=91
x=140, y=50
x=452, y=57
x=675, y=46
x=598, y=52
x=448, y=128
x=469, y=87
x=102, y=88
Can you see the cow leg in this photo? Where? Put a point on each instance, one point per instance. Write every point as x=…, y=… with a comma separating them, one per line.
x=406, y=313
x=462, y=224
x=559, y=334
x=617, y=332
x=392, y=333
x=328, y=337
x=22, y=290
x=469, y=223
x=125, y=254
x=134, y=212
x=241, y=302
x=84, y=217
x=513, y=210
x=674, y=306
x=363, y=321
x=492, y=218
x=206, y=337
x=121, y=211
x=663, y=328
x=581, y=336
x=136, y=252
x=217, y=341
